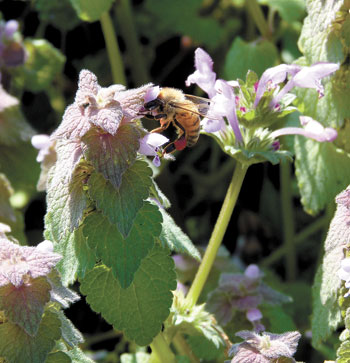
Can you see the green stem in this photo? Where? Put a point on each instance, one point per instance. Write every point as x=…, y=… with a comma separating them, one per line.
x=161, y=351
x=299, y=238
x=129, y=33
x=288, y=221
x=217, y=234
x=115, y=58
x=256, y=13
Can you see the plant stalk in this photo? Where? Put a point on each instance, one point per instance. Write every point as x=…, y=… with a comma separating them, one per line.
x=217, y=234
x=161, y=351
x=115, y=58
x=256, y=13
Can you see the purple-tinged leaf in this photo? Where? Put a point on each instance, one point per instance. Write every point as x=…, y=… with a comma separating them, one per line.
x=24, y=305
x=112, y=155
x=21, y=347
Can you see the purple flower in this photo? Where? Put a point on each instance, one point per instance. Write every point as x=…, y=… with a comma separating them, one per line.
x=311, y=129
x=242, y=293
x=12, y=52
x=204, y=76
x=19, y=263
x=219, y=91
x=150, y=144
x=264, y=348
x=304, y=77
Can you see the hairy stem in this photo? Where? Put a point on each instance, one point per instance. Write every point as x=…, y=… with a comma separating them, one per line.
x=115, y=58
x=217, y=234
x=288, y=221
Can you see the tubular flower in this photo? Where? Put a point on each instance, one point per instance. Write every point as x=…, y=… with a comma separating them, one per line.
x=304, y=77
x=149, y=145
x=219, y=91
x=311, y=129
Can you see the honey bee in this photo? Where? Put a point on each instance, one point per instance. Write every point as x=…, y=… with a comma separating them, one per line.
x=183, y=111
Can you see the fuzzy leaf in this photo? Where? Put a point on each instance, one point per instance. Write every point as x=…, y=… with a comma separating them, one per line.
x=139, y=310
x=123, y=255
x=121, y=206
x=244, y=56
x=43, y=64
x=112, y=155
x=66, y=198
x=317, y=40
x=70, y=334
x=77, y=259
x=343, y=352
x=25, y=304
x=21, y=347
x=326, y=312
x=91, y=10
x=322, y=171
x=175, y=239
x=58, y=357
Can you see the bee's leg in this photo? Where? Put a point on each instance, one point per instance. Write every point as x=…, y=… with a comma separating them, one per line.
x=169, y=149
x=163, y=126
x=152, y=117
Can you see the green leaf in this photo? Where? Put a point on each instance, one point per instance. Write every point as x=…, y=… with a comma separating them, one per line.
x=205, y=349
x=290, y=11
x=175, y=239
x=322, y=171
x=343, y=353
x=24, y=305
x=163, y=19
x=112, y=155
x=77, y=259
x=279, y=320
x=318, y=40
x=325, y=315
x=66, y=201
x=123, y=255
x=78, y=356
x=243, y=56
x=139, y=310
x=326, y=311
x=58, y=357
x=70, y=333
x=91, y=10
x=20, y=167
x=7, y=214
x=122, y=205
x=57, y=13
x=18, y=346
x=43, y=64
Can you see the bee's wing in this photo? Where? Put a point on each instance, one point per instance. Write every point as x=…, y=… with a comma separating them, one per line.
x=202, y=104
